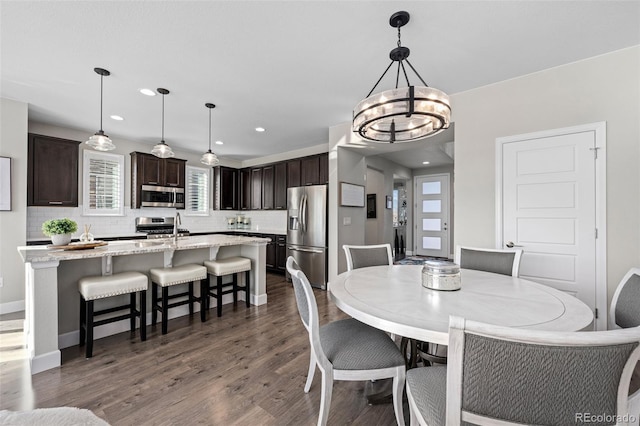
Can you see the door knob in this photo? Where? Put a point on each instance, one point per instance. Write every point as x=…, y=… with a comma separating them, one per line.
x=510, y=244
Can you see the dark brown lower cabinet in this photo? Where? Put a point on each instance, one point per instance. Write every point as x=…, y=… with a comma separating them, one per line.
x=281, y=253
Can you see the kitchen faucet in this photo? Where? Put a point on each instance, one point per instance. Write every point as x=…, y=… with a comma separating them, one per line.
x=176, y=221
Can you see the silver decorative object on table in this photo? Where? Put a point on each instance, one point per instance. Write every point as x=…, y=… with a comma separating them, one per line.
x=441, y=275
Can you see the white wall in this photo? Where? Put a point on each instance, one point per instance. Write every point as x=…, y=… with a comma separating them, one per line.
x=13, y=224
x=603, y=88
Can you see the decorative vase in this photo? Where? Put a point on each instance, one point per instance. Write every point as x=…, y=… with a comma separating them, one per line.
x=61, y=239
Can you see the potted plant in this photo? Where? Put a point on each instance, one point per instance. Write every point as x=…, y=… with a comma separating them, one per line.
x=59, y=230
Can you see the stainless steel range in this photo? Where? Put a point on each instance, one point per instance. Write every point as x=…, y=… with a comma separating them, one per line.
x=158, y=227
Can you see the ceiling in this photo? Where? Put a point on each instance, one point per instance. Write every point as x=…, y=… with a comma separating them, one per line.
x=293, y=67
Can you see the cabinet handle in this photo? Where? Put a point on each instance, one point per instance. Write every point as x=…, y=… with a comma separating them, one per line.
x=55, y=202
x=152, y=183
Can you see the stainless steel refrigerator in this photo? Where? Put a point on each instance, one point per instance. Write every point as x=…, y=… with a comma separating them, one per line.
x=307, y=231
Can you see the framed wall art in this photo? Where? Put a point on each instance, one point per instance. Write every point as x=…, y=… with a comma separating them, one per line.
x=5, y=183
x=351, y=195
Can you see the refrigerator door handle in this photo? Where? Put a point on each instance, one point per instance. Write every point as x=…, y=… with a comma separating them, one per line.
x=305, y=250
x=303, y=213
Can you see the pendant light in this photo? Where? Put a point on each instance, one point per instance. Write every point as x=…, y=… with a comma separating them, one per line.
x=209, y=158
x=401, y=114
x=99, y=141
x=162, y=150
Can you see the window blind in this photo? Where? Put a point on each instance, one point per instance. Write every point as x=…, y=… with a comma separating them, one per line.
x=103, y=176
x=197, y=191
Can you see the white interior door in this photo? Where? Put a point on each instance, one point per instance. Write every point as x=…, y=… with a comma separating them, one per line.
x=431, y=216
x=548, y=184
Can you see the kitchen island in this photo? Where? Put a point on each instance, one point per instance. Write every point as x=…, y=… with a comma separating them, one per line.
x=51, y=276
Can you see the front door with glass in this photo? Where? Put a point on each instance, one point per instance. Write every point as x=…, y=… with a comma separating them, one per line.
x=432, y=220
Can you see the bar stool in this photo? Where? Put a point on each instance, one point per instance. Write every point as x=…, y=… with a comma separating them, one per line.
x=167, y=277
x=100, y=287
x=220, y=268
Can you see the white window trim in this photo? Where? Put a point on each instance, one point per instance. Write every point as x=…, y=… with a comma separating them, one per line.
x=86, y=157
x=188, y=171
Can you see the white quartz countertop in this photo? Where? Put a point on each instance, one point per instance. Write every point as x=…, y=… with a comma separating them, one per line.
x=127, y=247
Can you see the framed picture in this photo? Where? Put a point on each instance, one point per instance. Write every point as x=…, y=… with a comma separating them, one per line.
x=5, y=183
x=371, y=206
x=389, y=201
x=351, y=195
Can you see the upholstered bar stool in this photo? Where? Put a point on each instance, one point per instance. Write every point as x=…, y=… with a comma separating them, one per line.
x=219, y=268
x=100, y=287
x=167, y=277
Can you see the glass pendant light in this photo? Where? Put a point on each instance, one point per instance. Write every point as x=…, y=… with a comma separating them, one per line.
x=100, y=141
x=209, y=158
x=162, y=150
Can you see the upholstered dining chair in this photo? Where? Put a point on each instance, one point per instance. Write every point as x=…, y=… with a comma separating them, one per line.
x=507, y=376
x=499, y=261
x=625, y=305
x=370, y=255
x=345, y=350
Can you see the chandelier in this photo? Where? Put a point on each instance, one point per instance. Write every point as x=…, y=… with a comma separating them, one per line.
x=401, y=114
x=100, y=141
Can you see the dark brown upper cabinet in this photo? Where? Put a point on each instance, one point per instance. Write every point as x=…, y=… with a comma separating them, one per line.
x=256, y=188
x=310, y=170
x=147, y=169
x=52, y=171
x=280, y=186
x=324, y=169
x=293, y=173
x=226, y=188
x=245, y=189
x=268, y=176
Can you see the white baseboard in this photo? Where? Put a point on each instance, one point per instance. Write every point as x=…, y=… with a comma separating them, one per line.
x=72, y=338
x=45, y=362
x=10, y=307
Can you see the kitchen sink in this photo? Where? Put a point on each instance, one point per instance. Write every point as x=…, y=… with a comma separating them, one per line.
x=149, y=243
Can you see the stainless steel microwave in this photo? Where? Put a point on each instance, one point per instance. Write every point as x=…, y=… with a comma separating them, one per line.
x=162, y=196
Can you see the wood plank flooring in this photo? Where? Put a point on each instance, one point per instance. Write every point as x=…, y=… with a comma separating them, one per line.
x=246, y=368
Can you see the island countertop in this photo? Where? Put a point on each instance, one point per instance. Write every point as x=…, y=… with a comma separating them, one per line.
x=127, y=247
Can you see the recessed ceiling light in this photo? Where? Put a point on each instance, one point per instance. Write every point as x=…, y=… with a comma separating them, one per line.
x=219, y=143
x=148, y=92
x=260, y=129
x=425, y=162
x=116, y=117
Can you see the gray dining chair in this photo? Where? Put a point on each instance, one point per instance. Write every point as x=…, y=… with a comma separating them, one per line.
x=369, y=255
x=625, y=305
x=508, y=376
x=499, y=261
x=345, y=350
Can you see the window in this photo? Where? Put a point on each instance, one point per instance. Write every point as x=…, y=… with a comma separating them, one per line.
x=197, y=203
x=103, y=184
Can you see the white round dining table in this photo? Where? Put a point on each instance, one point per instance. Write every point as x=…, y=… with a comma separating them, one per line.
x=392, y=298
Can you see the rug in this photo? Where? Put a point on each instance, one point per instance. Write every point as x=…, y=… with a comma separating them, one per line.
x=59, y=416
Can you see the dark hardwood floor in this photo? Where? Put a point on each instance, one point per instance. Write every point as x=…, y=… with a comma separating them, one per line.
x=246, y=368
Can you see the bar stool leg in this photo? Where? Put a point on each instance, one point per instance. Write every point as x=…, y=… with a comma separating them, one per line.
x=89, y=322
x=132, y=311
x=154, y=303
x=235, y=289
x=165, y=308
x=143, y=315
x=83, y=318
x=247, y=288
x=204, y=296
x=219, y=296
x=190, y=298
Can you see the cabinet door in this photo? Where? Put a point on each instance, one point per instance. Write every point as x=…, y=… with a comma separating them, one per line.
x=245, y=189
x=310, y=170
x=174, y=172
x=52, y=172
x=267, y=187
x=281, y=253
x=228, y=190
x=324, y=168
x=271, y=252
x=151, y=169
x=293, y=173
x=280, y=186
x=256, y=189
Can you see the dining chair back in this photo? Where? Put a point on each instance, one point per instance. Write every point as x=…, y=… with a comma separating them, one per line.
x=508, y=376
x=345, y=349
x=369, y=255
x=625, y=305
x=499, y=261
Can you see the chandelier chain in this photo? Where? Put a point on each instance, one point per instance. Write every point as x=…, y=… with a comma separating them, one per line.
x=399, y=42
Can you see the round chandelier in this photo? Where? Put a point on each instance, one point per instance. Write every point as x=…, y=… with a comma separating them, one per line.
x=401, y=114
